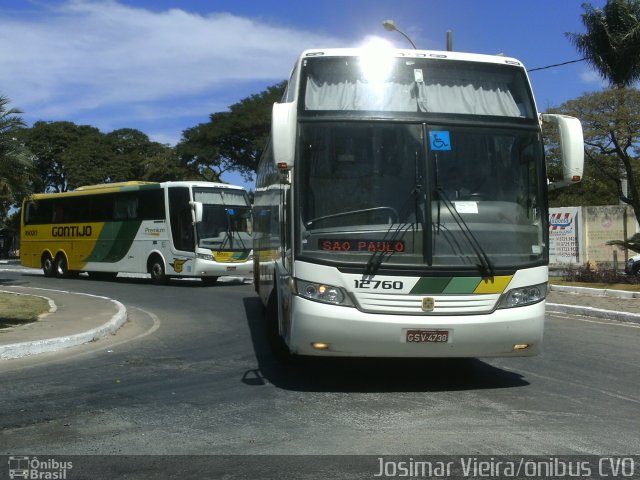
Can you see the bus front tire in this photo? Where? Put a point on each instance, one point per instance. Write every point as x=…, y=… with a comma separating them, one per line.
x=278, y=347
x=156, y=269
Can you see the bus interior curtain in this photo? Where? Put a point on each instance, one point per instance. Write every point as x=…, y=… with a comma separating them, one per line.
x=486, y=96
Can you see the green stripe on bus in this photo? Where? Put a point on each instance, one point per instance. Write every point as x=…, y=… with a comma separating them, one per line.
x=462, y=285
x=430, y=285
x=115, y=241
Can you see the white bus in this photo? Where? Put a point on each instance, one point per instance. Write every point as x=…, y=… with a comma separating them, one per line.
x=401, y=207
x=171, y=229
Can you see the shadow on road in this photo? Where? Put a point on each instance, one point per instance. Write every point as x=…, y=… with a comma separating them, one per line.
x=140, y=280
x=315, y=374
x=12, y=281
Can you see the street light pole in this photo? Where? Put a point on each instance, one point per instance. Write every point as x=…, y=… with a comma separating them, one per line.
x=391, y=26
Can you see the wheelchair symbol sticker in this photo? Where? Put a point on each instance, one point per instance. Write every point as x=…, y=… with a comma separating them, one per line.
x=439, y=140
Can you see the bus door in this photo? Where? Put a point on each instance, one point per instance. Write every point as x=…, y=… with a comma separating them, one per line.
x=182, y=229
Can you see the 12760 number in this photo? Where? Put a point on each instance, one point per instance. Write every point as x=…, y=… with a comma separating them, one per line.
x=380, y=284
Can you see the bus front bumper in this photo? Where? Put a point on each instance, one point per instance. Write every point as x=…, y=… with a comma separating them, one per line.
x=207, y=268
x=327, y=330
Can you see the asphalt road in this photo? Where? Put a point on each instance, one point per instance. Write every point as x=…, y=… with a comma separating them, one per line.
x=191, y=374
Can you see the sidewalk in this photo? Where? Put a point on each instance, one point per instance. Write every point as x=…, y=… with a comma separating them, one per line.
x=74, y=319
x=617, y=305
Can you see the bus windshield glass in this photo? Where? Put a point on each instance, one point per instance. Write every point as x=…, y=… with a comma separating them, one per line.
x=423, y=85
x=226, y=219
x=419, y=194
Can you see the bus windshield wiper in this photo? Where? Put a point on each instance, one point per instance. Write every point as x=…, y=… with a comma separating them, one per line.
x=231, y=232
x=485, y=266
x=397, y=234
x=376, y=259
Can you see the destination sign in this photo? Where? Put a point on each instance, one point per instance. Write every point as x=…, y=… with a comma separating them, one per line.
x=360, y=245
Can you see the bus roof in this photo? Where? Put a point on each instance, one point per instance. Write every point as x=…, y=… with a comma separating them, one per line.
x=132, y=186
x=112, y=186
x=411, y=53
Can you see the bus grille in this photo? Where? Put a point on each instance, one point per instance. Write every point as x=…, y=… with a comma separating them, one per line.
x=412, y=304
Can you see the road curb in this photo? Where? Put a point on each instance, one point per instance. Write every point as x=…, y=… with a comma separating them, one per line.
x=23, y=349
x=594, y=312
x=596, y=292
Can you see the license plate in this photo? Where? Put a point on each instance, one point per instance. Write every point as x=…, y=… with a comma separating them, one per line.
x=427, y=336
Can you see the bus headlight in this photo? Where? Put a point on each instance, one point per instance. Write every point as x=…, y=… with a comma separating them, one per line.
x=519, y=297
x=205, y=256
x=322, y=293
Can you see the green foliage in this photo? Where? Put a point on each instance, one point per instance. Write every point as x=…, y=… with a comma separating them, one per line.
x=632, y=244
x=164, y=166
x=231, y=140
x=68, y=156
x=592, y=190
x=50, y=143
x=15, y=164
x=612, y=41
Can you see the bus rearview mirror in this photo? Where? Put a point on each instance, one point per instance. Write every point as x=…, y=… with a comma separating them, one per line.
x=196, y=211
x=283, y=134
x=571, y=146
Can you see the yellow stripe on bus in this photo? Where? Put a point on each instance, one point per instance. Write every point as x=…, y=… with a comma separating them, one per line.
x=493, y=284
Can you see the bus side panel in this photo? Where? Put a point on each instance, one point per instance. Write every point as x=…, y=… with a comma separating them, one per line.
x=75, y=241
x=125, y=246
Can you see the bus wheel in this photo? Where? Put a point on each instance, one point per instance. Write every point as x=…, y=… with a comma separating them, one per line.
x=61, y=267
x=47, y=266
x=277, y=344
x=156, y=269
x=209, y=280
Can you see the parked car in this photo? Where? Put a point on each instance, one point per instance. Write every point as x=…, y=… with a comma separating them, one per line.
x=632, y=267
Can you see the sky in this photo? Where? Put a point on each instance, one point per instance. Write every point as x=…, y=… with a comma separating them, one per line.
x=162, y=66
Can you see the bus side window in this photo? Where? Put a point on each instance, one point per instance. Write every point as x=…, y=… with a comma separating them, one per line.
x=39, y=211
x=58, y=214
x=125, y=208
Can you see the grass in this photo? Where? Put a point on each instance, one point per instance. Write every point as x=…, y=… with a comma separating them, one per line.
x=20, y=309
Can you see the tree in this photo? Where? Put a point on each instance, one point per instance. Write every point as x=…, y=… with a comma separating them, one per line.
x=231, y=140
x=611, y=123
x=612, y=42
x=165, y=166
x=15, y=165
x=49, y=142
x=612, y=46
x=68, y=156
x=131, y=150
x=90, y=161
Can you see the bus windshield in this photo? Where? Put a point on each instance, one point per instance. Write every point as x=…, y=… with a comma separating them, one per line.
x=373, y=188
x=226, y=219
x=424, y=85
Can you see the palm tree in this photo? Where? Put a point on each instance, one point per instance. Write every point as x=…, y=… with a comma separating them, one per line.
x=15, y=165
x=632, y=244
x=612, y=42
